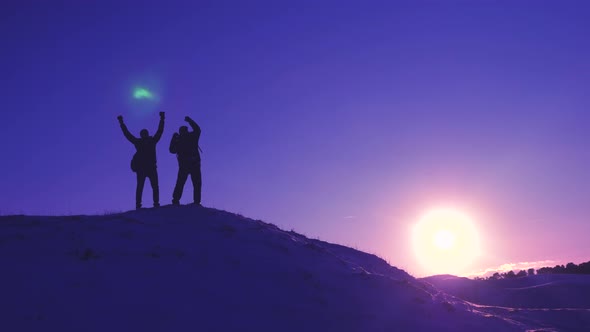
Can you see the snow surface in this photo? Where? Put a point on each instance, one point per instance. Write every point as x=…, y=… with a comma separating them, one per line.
x=197, y=269
x=557, y=301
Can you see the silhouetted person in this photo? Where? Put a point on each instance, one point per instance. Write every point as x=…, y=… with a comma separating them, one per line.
x=185, y=144
x=144, y=161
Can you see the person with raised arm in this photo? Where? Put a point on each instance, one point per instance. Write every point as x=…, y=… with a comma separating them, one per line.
x=185, y=145
x=144, y=162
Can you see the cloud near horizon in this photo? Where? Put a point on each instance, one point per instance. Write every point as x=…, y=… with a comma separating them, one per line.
x=513, y=267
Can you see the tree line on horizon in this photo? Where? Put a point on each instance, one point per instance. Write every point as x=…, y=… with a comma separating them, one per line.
x=569, y=268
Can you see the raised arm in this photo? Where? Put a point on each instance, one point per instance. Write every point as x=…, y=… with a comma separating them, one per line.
x=193, y=124
x=160, y=130
x=126, y=132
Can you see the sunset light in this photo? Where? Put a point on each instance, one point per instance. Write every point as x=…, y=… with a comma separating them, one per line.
x=445, y=241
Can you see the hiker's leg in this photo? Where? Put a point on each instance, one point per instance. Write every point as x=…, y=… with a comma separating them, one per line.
x=155, y=187
x=197, y=183
x=139, y=188
x=180, y=181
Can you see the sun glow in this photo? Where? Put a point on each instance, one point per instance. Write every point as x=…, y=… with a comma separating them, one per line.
x=445, y=241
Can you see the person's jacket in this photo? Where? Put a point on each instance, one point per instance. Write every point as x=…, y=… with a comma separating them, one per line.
x=145, y=146
x=186, y=146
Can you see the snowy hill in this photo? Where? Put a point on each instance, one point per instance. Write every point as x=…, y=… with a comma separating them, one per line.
x=538, y=291
x=198, y=269
x=561, y=301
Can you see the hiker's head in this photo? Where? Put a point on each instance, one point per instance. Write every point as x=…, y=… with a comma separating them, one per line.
x=144, y=133
x=183, y=130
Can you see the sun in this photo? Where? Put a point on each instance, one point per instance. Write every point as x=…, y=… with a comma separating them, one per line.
x=445, y=241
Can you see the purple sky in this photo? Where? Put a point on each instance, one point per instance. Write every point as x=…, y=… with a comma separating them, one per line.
x=341, y=121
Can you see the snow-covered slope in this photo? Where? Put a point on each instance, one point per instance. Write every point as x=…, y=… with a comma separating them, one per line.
x=197, y=269
x=538, y=291
x=560, y=301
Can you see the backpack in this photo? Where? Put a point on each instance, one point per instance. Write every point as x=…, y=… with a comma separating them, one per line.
x=174, y=144
x=135, y=163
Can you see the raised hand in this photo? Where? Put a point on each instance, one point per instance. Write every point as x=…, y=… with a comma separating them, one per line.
x=120, y=118
x=162, y=114
x=187, y=118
